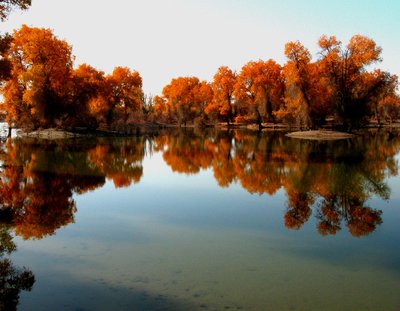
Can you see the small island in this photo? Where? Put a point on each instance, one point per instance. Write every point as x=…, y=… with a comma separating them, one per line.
x=320, y=135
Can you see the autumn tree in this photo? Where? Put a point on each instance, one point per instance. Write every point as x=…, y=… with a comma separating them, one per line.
x=187, y=98
x=43, y=90
x=354, y=88
x=297, y=72
x=389, y=108
x=386, y=105
x=116, y=99
x=126, y=95
x=203, y=95
x=35, y=94
x=86, y=86
x=221, y=106
x=259, y=90
x=6, y=6
x=161, y=111
x=297, y=99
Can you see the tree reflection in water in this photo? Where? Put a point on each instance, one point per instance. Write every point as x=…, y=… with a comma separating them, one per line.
x=37, y=183
x=334, y=180
x=13, y=280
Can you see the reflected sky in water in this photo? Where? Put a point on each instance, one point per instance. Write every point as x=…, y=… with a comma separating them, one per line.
x=205, y=220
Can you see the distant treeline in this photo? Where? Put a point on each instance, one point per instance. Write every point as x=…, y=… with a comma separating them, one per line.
x=42, y=89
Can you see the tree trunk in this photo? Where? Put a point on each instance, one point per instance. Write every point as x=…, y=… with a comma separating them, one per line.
x=259, y=121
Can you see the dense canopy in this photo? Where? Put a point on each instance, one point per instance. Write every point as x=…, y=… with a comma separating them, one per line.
x=42, y=89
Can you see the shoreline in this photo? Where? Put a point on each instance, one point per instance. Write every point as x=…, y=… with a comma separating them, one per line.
x=142, y=128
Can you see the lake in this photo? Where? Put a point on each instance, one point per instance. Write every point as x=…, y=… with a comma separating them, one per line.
x=187, y=219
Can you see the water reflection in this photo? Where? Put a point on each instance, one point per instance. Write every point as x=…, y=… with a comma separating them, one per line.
x=333, y=179
x=13, y=280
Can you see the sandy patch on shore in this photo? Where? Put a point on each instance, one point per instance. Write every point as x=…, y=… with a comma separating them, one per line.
x=50, y=134
x=320, y=135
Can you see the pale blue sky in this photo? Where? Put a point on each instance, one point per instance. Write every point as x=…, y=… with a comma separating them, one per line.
x=165, y=39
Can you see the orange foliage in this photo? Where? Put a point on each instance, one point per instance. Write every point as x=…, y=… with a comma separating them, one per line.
x=220, y=108
x=43, y=90
x=38, y=191
x=126, y=95
x=297, y=74
x=186, y=98
x=38, y=180
x=42, y=66
x=186, y=155
x=389, y=108
x=309, y=172
x=120, y=163
x=363, y=220
x=87, y=96
x=353, y=88
x=259, y=90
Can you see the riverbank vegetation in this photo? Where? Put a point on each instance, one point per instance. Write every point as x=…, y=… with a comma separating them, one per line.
x=41, y=88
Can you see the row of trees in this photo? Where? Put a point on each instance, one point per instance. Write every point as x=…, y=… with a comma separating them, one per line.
x=302, y=92
x=38, y=179
x=41, y=88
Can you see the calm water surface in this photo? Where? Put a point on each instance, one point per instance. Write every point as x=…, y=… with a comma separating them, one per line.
x=198, y=220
